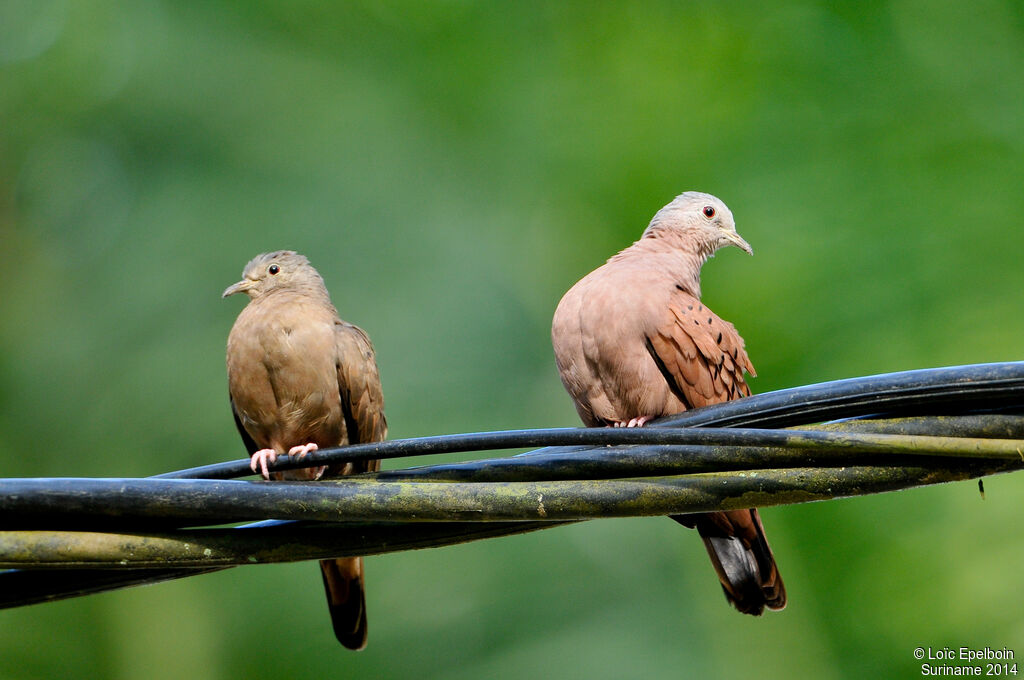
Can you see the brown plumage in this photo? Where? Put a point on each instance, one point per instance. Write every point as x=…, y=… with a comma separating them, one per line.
x=300, y=378
x=634, y=342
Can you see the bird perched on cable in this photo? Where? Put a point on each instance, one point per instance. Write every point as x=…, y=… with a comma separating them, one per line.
x=300, y=378
x=634, y=342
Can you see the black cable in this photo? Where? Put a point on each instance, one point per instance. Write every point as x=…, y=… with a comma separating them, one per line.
x=943, y=390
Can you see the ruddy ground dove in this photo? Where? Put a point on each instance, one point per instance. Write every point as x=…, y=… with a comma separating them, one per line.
x=300, y=378
x=634, y=342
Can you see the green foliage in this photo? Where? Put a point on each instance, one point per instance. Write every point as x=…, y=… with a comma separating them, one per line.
x=451, y=168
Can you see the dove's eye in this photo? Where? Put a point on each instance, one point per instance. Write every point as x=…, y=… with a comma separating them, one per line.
x=273, y=269
x=709, y=211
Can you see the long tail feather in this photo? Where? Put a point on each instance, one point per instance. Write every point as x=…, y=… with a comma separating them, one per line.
x=346, y=600
x=742, y=558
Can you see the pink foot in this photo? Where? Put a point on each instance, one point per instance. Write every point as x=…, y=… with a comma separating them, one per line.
x=259, y=461
x=634, y=422
x=299, y=452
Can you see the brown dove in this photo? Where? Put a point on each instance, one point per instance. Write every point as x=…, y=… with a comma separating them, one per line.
x=634, y=342
x=300, y=378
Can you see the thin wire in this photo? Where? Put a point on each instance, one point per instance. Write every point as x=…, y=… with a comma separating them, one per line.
x=960, y=388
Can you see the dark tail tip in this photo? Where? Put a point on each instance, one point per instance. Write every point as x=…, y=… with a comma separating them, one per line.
x=346, y=600
x=742, y=558
x=351, y=636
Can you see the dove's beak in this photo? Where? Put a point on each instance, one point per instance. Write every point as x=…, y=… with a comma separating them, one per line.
x=242, y=286
x=737, y=240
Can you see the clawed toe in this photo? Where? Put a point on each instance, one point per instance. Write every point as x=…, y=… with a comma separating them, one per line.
x=260, y=459
x=632, y=422
x=299, y=452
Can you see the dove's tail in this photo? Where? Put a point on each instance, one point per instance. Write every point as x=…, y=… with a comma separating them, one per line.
x=346, y=600
x=741, y=556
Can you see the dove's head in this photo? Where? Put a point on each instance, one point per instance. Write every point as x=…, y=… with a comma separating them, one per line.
x=280, y=270
x=700, y=221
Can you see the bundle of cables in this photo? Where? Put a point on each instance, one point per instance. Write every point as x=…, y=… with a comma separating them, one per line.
x=64, y=537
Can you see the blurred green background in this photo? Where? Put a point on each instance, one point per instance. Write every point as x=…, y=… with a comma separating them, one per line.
x=452, y=168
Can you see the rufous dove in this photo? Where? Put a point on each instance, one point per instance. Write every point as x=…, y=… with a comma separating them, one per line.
x=300, y=378
x=633, y=342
